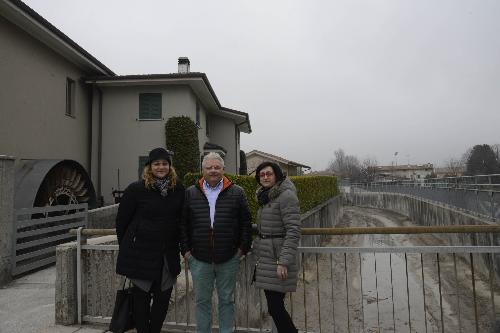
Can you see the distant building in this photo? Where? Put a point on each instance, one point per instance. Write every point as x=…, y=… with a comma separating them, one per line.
x=406, y=172
x=291, y=168
x=321, y=173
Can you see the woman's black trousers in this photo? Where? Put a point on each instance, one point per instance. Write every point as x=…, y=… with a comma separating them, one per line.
x=149, y=317
x=276, y=308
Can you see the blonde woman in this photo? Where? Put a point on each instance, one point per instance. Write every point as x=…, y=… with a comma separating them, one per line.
x=146, y=227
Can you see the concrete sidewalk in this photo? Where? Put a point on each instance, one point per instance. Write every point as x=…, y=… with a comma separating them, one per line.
x=27, y=306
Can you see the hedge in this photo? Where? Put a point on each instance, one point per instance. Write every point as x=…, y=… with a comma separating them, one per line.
x=311, y=190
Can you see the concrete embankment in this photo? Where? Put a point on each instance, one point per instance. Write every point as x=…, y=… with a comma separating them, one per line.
x=427, y=213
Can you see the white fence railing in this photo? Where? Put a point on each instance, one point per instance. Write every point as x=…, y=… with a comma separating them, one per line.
x=340, y=289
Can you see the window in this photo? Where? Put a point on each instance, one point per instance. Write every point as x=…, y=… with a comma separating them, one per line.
x=198, y=114
x=70, y=97
x=142, y=164
x=207, y=122
x=150, y=106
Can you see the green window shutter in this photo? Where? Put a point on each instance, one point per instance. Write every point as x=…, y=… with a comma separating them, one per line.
x=142, y=164
x=150, y=106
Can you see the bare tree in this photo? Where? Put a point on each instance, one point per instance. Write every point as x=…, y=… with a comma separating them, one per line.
x=455, y=167
x=466, y=156
x=345, y=166
x=338, y=162
x=369, y=169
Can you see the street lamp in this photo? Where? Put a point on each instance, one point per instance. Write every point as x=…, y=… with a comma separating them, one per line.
x=396, y=158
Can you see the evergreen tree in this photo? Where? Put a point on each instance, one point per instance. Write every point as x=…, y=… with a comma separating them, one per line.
x=243, y=163
x=482, y=161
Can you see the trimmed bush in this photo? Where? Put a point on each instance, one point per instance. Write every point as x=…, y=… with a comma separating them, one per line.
x=311, y=190
x=181, y=136
x=243, y=163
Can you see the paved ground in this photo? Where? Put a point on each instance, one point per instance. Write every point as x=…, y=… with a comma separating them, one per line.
x=27, y=306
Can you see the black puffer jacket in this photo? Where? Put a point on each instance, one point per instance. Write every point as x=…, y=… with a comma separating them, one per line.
x=147, y=227
x=232, y=224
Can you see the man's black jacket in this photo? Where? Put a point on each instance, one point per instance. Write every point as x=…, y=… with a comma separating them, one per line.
x=231, y=229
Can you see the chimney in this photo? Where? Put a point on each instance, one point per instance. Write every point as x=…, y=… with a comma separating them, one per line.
x=184, y=65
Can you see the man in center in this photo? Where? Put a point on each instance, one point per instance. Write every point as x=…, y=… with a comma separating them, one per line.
x=215, y=233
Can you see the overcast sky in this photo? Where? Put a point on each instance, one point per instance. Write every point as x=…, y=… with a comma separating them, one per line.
x=421, y=77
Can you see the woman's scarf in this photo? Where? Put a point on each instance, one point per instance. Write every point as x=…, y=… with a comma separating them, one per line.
x=162, y=185
x=263, y=196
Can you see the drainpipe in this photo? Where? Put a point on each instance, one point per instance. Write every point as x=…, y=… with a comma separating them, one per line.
x=236, y=129
x=90, y=97
x=99, y=149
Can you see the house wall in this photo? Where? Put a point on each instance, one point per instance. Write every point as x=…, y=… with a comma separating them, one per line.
x=223, y=134
x=125, y=138
x=254, y=160
x=33, y=123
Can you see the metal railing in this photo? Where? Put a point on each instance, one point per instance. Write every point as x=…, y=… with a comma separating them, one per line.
x=479, y=195
x=38, y=230
x=398, y=289
x=343, y=289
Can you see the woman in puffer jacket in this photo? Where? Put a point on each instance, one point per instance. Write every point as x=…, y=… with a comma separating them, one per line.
x=278, y=221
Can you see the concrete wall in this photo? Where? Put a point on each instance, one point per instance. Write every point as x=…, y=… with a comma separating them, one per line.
x=223, y=133
x=33, y=123
x=326, y=215
x=428, y=213
x=420, y=211
x=125, y=138
x=100, y=281
x=6, y=217
x=102, y=218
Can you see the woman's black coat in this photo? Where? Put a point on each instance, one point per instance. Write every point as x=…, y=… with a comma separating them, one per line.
x=147, y=227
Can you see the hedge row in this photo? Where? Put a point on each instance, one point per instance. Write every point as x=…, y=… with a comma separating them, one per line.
x=311, y=190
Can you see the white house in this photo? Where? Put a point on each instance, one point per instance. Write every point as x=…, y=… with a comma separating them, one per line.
x=133, y=110
x=67, y=117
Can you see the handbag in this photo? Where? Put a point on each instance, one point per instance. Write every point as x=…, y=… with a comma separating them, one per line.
x=122, y=319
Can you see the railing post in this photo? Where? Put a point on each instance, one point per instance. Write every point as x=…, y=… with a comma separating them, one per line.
x=80, y=240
